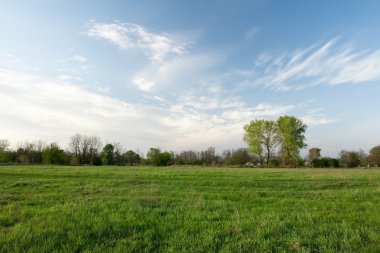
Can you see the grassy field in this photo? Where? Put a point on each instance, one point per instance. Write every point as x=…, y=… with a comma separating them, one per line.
x=146, y=209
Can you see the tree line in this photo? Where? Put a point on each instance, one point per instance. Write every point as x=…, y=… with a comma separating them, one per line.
x=271, y=143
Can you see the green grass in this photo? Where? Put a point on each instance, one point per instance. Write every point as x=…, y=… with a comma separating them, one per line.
x=143, y=209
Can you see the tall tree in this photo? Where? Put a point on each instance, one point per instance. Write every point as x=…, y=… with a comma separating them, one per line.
x=262, y=137
x=271, y=138
x=75, y=147
x=292, y=138
x=254, y=138
x=108, y=154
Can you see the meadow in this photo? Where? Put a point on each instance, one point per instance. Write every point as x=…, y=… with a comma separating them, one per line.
x=174, y=209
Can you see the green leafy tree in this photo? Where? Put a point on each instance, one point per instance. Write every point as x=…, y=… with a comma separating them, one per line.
x=271, y=138
x=165, y=159
x=108, y=154
x=262, y=138
x=153, y=156
x=374, y=156
x=292, y=139
x=254, y=138
x=349, y=158
x=158, y=158
x=52, y=154
x=237, y=157
x=131, y=157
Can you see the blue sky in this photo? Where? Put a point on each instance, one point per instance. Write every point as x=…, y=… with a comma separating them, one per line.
x=189, y=74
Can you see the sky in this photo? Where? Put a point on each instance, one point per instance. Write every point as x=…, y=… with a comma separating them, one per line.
x=182, y=75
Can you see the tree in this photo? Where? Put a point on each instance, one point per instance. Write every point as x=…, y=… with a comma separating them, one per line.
x=153, y=156
x=271, y=138
x=292, y=138
x=94, y=146
x=374, y=156
x=158, y=158
x=237, y=157
x=165, y=159
x=30, y=152
x=262, y=138
x=75, y=146
x=254, y=138
x=131, y=157
x=108, y=154
x=325, y=162
x=118, y=153
x=208, y=156
x=188, y=157
x=349, y=158
x=85, y=148
x=4, y=148
x=52, y=154
x=314, y=153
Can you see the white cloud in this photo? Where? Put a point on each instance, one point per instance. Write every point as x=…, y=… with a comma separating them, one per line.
x=131, y=36
x=311, y=120
x=325, y=64
x=177, y=73
x=143, y=84
x=37, y=108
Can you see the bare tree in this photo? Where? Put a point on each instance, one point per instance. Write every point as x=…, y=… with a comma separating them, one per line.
x=75, y=146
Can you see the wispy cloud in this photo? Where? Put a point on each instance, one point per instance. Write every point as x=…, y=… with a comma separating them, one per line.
x=328, y=64
x=143, y=84
x=131, y=36
x=41, y=108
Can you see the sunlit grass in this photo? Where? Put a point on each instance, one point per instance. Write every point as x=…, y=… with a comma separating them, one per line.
x=148, y=209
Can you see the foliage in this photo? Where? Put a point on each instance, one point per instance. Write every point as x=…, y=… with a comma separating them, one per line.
x=237, y=157
x=292, y=139
x=131, y=158
x=374, y=156
x=52, y=154
x=349, y=159
x=158, y=158
x=325, y=162
x=108, y=154
x=254, y=138
x=4, y=151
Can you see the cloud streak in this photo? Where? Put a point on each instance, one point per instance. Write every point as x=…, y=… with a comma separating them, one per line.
x=132, y=36
x=319, y=64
